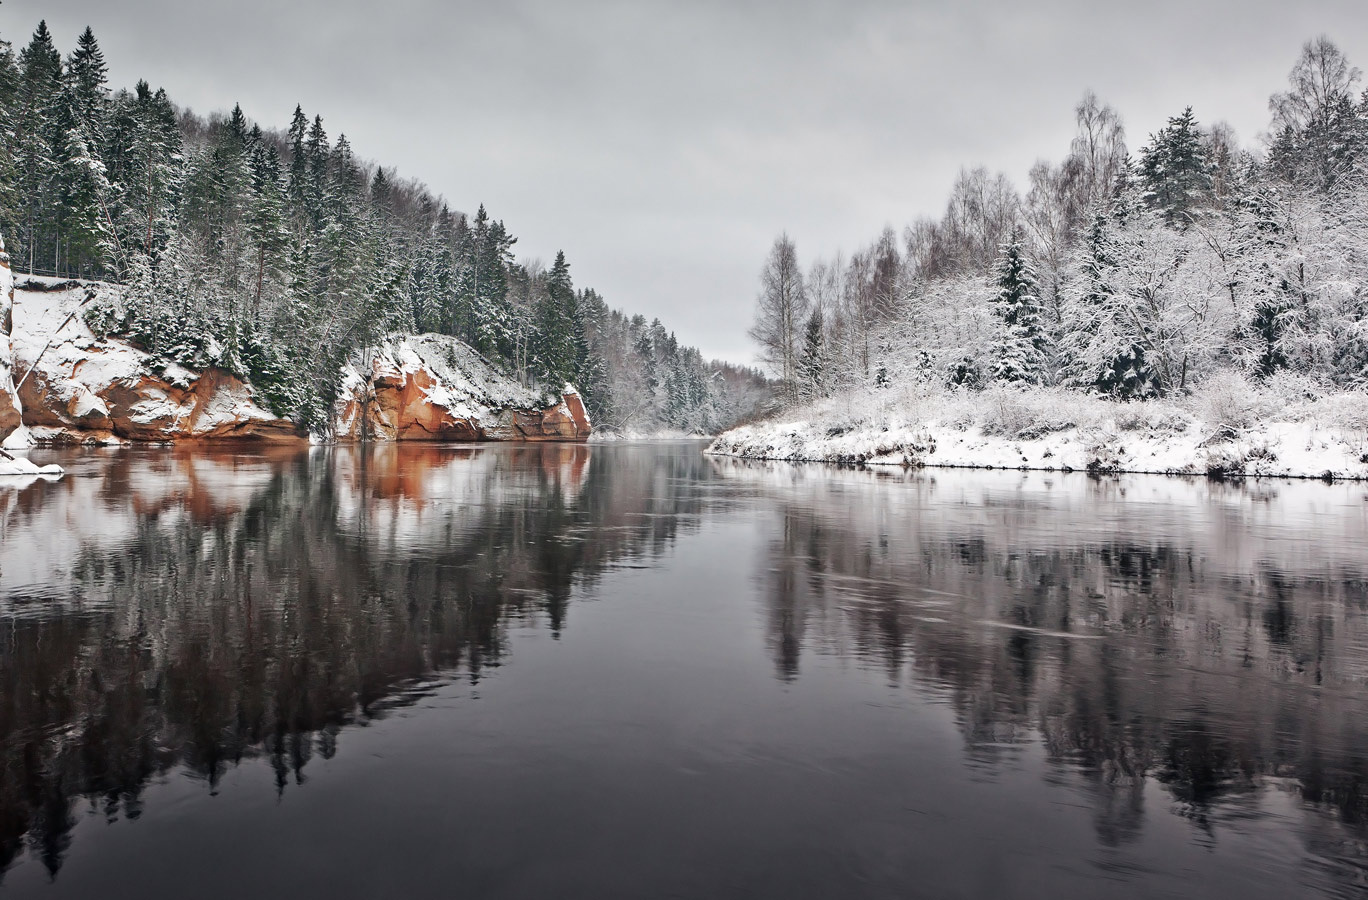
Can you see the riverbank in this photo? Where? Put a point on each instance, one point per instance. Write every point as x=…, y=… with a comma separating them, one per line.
x=1290, y=429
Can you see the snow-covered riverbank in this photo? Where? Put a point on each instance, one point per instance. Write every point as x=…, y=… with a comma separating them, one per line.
x=1229, y=429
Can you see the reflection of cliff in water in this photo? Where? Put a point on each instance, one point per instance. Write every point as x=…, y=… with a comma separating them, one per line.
x=163, y=609
x=1212, y=639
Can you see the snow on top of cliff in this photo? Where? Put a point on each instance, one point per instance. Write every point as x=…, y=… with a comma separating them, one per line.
x=466, y=383
x=465, y=373
x=39, y=314
x=48, y=322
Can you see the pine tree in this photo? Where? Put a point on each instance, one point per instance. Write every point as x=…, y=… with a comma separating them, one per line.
x=1018, y=353
x=1176, y=170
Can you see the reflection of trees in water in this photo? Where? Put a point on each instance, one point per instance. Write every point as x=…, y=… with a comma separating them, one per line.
x=1127, y=649
x=228, y=623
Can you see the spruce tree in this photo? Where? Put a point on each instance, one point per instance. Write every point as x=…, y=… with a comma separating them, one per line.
x=85, y=225
x=87, y=84
x=151, y=171
x=237, y=125
x=1018, y=353
x=432, y=283
x=555, y=344
x=812, y=364
x=267, y=233
x=1176, y=170
x=9, y=95
x=299, y=160
x=316, y=153
x=37, y=137
x=591, y=368
x=483, y=316
x=88, y=240
x=1101, y=353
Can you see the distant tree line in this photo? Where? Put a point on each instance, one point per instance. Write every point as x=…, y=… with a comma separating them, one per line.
x=281, y=255
x=1127, y=277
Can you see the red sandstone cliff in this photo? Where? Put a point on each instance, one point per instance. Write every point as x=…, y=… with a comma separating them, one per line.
x=84, y=389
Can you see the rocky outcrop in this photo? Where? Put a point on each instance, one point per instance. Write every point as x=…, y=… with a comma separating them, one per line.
x=432, y=387
x=88, y=400
x=84, y=389
x=11, y=413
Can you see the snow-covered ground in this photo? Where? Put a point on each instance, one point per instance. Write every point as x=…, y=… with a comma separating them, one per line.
x=1290, y=428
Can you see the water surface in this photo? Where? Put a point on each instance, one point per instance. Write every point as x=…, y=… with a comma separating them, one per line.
x=603, y=672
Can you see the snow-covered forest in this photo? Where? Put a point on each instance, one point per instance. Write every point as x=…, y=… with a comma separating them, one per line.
x=277, y=255
x=1121, y=275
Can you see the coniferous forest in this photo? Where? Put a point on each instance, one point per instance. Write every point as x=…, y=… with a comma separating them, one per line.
x=278, y=254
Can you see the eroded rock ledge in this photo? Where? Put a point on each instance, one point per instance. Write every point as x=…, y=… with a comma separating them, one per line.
x=74, y=387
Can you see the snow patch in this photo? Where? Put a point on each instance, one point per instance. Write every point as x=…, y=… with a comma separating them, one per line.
x=11, y=465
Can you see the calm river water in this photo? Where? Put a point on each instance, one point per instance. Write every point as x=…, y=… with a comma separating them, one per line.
x=569, y=671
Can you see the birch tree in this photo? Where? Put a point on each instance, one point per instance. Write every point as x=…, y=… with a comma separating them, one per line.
x=780, y=313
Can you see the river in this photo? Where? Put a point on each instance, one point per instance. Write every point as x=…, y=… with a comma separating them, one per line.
x=509, y=671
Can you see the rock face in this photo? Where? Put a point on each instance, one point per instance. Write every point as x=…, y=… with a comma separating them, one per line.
x=86, y=390
x=89, y=390
x=432, y=387
x=11, y=413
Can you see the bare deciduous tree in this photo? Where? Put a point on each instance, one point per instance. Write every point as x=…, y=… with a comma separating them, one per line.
x=1098, y=151
x=780, y=313
x=1320, y=80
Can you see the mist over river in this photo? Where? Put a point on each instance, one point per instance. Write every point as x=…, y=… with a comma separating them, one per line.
x=637, y=671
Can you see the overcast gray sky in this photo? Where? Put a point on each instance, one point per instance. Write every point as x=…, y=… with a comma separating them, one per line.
x=664, y=145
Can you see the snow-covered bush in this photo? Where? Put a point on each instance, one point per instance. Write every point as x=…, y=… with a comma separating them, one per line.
x=1229, y=404
x=1014, y=411
x=1147, y=415
x=1347, y=410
